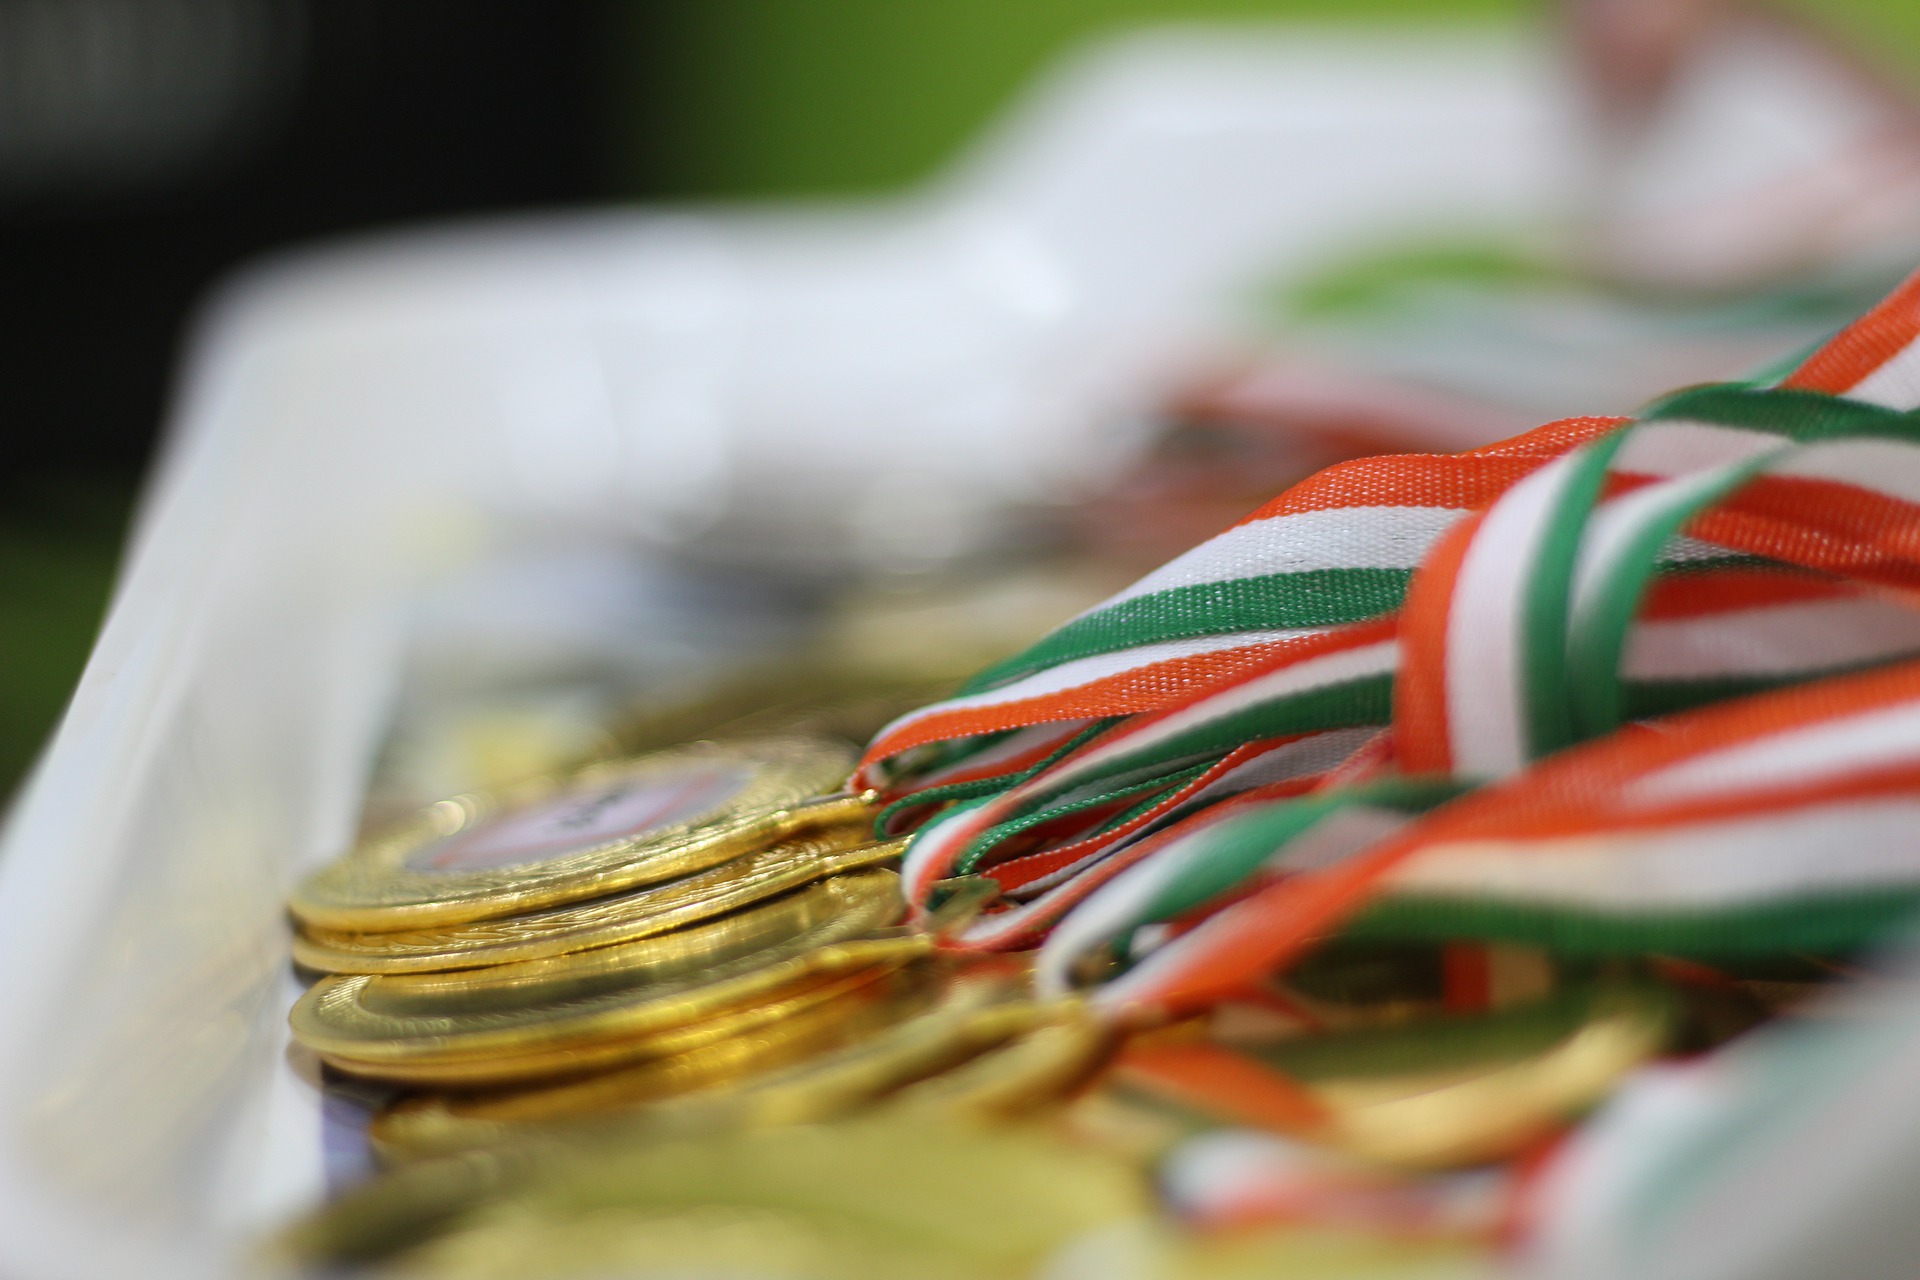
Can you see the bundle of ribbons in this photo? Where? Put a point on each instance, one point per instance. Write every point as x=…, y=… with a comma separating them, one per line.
x=1613, y=687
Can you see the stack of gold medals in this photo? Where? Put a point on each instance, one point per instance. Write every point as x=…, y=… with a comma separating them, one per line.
x=661, y=1015
x=664, y=1015
x=605, y=1012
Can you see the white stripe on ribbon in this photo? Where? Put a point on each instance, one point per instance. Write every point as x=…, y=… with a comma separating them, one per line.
x=1773, y=640
x=1879, y=465
x=1826, y=750
x=1486, y=701
x=1895, y=384
x=1856, y=843
x=1676, y=447
x=1336, y=538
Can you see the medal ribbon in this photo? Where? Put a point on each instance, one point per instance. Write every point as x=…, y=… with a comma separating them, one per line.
x=1339, y=713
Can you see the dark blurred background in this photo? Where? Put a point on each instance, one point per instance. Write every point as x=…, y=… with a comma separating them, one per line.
x=147, y=147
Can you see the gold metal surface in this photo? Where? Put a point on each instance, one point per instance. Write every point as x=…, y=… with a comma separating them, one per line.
x=1029, y=1071
x=935, y=1198
x=1427, y=1092
x=1467, y=1115
x=979, y=1011
x=847, y=1009
x=601, y=922
x=601, y=830
x=882, y=1196
x=732, y=1030
x=613, y=992
x=907, y=1041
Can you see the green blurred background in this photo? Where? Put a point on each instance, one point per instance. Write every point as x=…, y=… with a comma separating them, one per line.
x=438, y=108
x=755, y=97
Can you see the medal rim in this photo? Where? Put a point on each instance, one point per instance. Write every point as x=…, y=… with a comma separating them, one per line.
x=332, y=1019
x=642, y=912
x=844, y=1010
x=371, y=890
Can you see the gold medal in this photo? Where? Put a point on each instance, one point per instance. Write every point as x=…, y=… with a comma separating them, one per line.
x=1428, y=1092
x=600, y=922
x=740, y=1029
x=1029, y=1071
x=896, y=1194
x=845, y=1010
x=1453, y=1114
x=617, y=992
x=908, y=1040
x=604, y=829
x=979, y=1010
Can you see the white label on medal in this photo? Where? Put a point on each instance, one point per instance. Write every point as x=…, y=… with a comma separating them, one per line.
x=620, y=809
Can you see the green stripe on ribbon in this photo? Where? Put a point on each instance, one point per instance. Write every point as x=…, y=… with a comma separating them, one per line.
x=1270, y=602
x=1817, y=922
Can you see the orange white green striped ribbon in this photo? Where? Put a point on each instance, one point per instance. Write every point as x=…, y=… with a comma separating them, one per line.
x=1788, y=821
x=1336, y=549
x=1248, y=727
